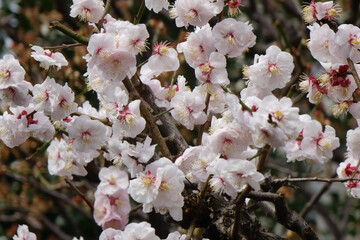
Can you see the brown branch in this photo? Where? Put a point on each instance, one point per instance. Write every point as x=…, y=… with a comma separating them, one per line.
x=353, y=72
x=173, y=136
x=290, y=219
x=202, y=127
x=62, y=46
x=69, y=32
x=155, y=132
x=241, y=198
x=313, y=179
x=315, y=199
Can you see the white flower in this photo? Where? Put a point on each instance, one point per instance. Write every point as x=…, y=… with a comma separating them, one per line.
x=63, y=104
x=213, y=71
x=272, y=70
x=163, y=59
x=138, y=231
x=198, y=46
x=112, y=179
x=194, y=12
x=319, y=42
x=87, y=134
x=349, y=169
x=188, y=109
x=157, y=5
x=11, y=72
x=23, y=233
x=346, y=43
x=48, y=58
x=128, y=122
x=232, y=37
x=242, y=172
x=160, y=188
x=87, y=10
x=318, y=145
x=110, y=234
x=17, y=95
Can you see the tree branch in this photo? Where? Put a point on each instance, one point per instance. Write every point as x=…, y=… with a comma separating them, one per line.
x=155, y=132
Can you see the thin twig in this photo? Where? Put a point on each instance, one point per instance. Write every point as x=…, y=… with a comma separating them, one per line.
x=80, y=193
x=140, y=12
x=106, y=10
x=155, y=132
x=39, y=149
x=353, y=72
x=202, y=127
x=313, y=179
x=62, y=46
x=162, y=113
x=67, y=31
x=314, y=200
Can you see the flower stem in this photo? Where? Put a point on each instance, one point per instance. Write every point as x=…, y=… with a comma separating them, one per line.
x=140, y=12
x=67, y=31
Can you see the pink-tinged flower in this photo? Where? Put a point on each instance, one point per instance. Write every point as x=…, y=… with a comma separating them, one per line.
x=112, y=179
x=318, y=145
x=320, y=10
x=40, y=127
x=169, y=198
x=315, y=88
x=112, y=210
x=188, y=109
x=346, y=43
x=230, y=140
x=63, y=104
x=44, y=94
x=139, y=231
x=145, y=187
x=353, y=141
x=340, y=85
x=127, y=121
x=87, y=134
x=198, y=46
x=63, y=161
x=232, y=37
x=23, y=233
x=163, y=59
x=327, y=10
x=274, y=122
x=87, y=10
x=160, y=187
x=194, y=162
x=319, y=42
x=11, y=72
x=110, y=234
x=12, y=129
x=17, y=95
x=157, y=5
x=272, y=70
x=241, y=172
x=233, y=7
x=194, y=12
x=349, y=169
x=293, y=147
x=48, y=58
x=213, y=71
x=309, y=12
x=116, y=65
